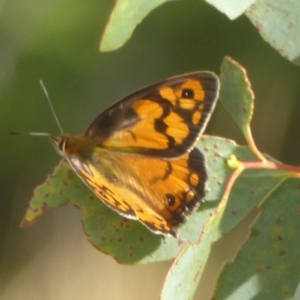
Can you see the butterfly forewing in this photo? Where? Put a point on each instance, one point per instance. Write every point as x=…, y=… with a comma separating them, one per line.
x=163, y=120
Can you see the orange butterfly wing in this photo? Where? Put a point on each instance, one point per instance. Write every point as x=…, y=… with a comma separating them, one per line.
x=158, y=192
x=162, y=120
x=139, y=157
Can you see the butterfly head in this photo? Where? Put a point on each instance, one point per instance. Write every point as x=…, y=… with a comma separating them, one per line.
x=61, y=143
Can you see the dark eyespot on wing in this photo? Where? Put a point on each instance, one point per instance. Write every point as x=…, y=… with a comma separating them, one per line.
x=188, y=200
x=188, y=94
x=170, y=198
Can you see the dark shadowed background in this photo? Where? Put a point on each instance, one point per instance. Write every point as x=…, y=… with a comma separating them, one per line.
x=57, y=41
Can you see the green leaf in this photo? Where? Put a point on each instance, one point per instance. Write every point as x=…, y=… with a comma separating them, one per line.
x=236, y=93
x=278, y=23
x=267, y=267
x=186, y=271
x=233, y=8
x=126, y=15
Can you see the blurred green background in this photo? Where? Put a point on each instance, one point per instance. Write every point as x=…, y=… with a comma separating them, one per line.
x=57, y=41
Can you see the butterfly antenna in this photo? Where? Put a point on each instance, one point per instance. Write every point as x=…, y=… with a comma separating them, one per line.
x=52, y=110
x=30, y=133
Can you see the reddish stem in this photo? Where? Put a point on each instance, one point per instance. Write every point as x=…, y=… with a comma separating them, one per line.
x=291, y=171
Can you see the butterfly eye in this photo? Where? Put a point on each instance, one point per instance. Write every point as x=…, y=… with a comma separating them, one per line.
x=170, y=199
x=187, y=93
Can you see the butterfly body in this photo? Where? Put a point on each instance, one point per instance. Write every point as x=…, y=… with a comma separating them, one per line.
x=139, y=156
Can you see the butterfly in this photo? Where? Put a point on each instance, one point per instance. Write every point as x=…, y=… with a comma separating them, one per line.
x=139, y=156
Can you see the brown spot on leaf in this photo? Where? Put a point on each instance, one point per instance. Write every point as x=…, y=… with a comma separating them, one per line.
x=258, y=25
x=25, y=223
x=217, y=154
x=196, y=276
x=281, y=253
x=44, y=207
x=259, y=269
x=70, y=174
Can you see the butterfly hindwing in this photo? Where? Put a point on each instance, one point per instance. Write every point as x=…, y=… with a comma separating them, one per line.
x=161, y=198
